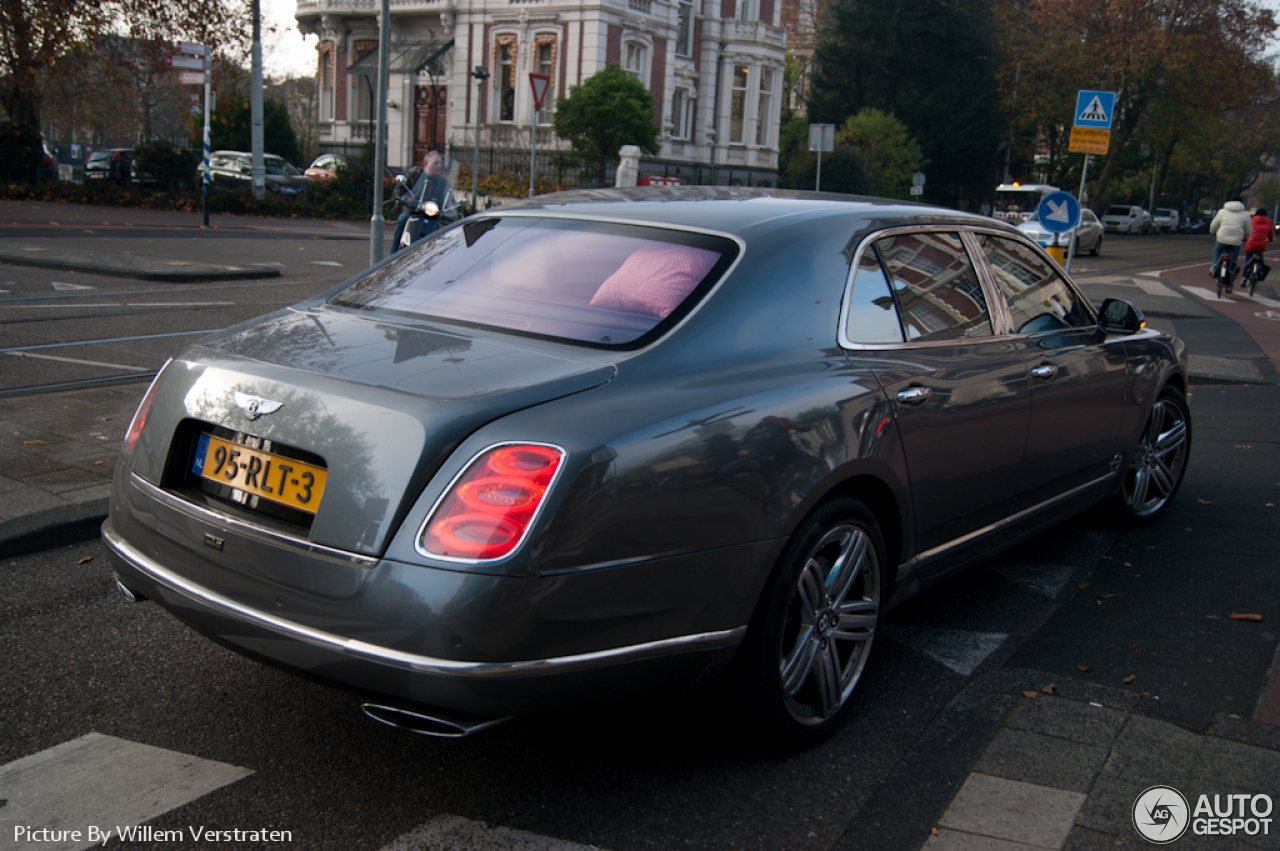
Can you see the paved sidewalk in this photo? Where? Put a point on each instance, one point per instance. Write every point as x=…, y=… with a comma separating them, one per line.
x=1067, y=773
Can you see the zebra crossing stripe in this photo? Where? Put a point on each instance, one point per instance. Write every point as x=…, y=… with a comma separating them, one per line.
x=454, y=833
x=960, y=650
x=94, y=784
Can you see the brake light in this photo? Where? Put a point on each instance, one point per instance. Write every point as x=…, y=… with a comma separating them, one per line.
x=140, y=416
x=490, y=507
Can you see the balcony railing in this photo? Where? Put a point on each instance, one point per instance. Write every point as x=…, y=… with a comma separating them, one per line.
x=758, y=31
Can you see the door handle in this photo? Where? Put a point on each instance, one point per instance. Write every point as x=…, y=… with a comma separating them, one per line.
x=1044, y=371
x=913, y=395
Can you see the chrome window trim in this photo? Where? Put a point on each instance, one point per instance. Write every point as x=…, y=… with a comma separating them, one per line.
x=245, y=528
x=411, y=661
x=1053, y=264
x=448, y=489
x=1001, y=319
x=984, y=281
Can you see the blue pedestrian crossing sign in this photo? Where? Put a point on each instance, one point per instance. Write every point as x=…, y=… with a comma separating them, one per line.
x=1094, y=109
x=1058, y=212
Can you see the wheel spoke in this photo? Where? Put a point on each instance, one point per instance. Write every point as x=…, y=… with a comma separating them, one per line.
x=809, y=590
x=829, y=689
x=848, y=565
x=857, y=621
x=1173, y=439
x=799, y=664
x=1162, y=477
x=1141, y=484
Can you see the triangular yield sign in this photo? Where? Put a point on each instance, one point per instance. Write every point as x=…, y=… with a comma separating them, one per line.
x=540, y=83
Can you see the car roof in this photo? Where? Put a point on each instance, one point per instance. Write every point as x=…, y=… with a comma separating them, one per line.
x=739, y=211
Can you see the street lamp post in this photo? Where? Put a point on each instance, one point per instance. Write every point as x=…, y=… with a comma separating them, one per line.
x=481, y=73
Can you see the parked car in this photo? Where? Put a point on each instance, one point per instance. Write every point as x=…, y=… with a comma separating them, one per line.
x=1124, y=218
x=599, y=445
x=110, y=164
x=1165, y=220
x=234, y=169
x=325, y=167
x=1087, y=234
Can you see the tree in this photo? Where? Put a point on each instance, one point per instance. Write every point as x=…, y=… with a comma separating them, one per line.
x=1178, y=67
x=890, y=157
x=34, y=34
x=609, y=110
x=932, y=64
x=229, y=127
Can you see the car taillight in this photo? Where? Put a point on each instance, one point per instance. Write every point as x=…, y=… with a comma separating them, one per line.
x=140, y=416
x=489, y=508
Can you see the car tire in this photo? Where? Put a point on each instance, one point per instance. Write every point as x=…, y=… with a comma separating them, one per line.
x=1158, y=462
x=809, y=644
x=1097, y=247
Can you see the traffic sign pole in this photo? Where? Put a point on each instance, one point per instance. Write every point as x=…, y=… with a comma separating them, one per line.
x=204, y=173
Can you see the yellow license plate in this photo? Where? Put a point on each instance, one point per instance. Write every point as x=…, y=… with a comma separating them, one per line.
x=284, y=480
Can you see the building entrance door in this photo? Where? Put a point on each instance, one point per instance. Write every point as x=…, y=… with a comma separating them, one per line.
x=430, y=114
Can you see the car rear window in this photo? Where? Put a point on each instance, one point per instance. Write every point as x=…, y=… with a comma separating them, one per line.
x=594, y=283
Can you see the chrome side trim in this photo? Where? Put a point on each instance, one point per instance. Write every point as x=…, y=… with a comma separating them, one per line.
x=1011, y=520
x=245, y=528
x=411, y=661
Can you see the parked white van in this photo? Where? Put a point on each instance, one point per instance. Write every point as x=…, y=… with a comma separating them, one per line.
x=1122, y=218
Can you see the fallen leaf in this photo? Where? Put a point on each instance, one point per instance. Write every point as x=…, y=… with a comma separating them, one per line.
x=1243, y=446
x=1049, y=688
x=105, y=419
x=1205, y=501
x=98, y=463
x=1031, y=694
x=1270, y=505
x=1083, y=585
x=85, y=560
x=1127, y=564
x=1245, y=617
x=1151, y=547
x=1109, y=596
x=1136, y=649
x=34, y=443
x=934, y=831
x=1237, y=717
x=1085, y=668
x=1129, y=679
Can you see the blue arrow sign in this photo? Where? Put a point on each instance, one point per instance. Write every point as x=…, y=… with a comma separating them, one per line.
x=1094, y=109
x=1058, y=212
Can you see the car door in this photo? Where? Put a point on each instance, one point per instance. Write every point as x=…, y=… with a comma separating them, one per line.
x=918, y=314
x=1078, y=375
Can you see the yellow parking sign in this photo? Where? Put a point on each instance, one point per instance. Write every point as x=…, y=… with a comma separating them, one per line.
x=1089, y=140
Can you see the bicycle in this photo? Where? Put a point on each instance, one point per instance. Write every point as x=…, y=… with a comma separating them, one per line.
x=1254, y=270
x=1225, y=273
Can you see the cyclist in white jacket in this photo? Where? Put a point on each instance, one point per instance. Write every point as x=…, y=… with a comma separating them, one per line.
x=1230, y=227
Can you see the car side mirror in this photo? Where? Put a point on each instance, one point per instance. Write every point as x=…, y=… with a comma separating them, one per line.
x=1121, y=317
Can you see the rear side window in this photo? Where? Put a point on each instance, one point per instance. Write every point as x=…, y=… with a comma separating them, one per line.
x=873, y=317
x=936, y=286
x=595, y=283
x=1117, y=211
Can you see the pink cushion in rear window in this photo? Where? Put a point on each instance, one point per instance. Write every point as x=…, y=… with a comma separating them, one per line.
x=655, y=279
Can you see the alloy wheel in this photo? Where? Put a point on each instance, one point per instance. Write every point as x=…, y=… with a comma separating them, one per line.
x=1159, y=459
x=831, y=621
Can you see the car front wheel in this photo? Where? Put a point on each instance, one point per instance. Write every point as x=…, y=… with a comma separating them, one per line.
x=812, y=637
x=1159, y=460
x=1097, y=247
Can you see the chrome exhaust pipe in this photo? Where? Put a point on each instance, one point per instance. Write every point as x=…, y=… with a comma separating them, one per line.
x=129, y=595
x=440, y=723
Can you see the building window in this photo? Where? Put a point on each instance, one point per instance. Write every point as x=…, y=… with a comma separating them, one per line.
x=505, y=62
x=633, y=59
x=684, y=38
x=763, y=122
x=326, y=82
x=738, y=106
x=681, y=114
x=545, y=60
x=747, y=10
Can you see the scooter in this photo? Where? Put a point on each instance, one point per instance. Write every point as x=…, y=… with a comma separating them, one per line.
x=420, y=213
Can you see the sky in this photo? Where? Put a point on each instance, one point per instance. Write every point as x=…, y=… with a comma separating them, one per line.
x=287, y=53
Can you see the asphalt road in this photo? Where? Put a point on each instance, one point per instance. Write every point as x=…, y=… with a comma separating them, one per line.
x=1134, y=618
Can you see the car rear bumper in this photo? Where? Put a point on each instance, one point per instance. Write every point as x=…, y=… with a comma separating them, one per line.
x=390, y=654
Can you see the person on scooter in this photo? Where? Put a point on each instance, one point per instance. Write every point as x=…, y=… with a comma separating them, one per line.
x=431, y=185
